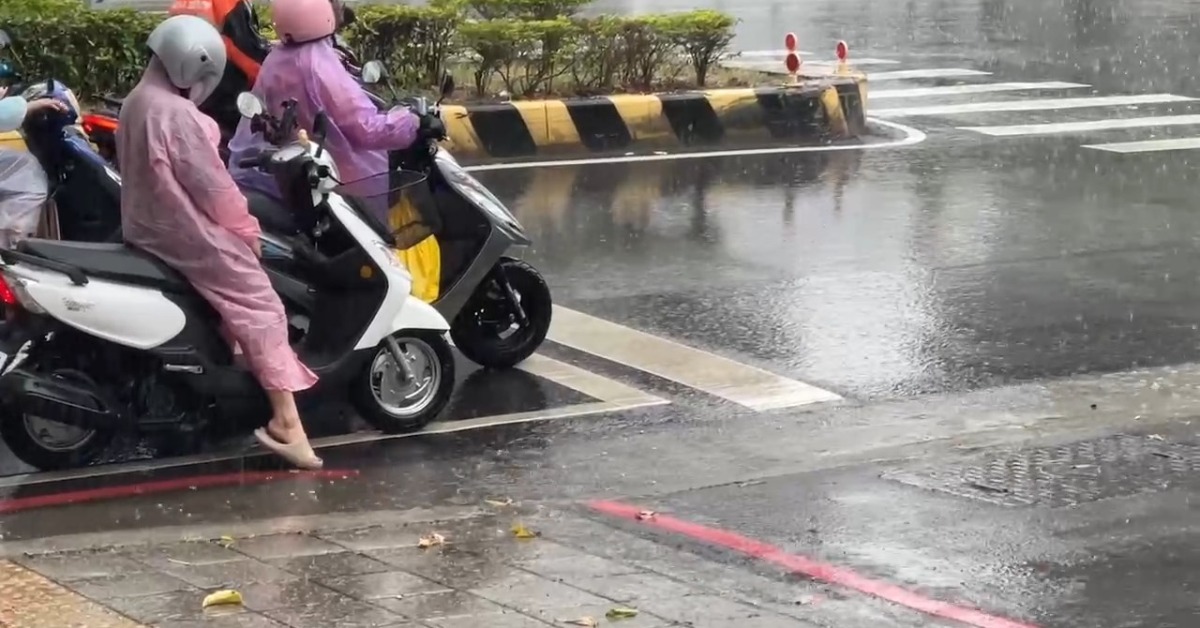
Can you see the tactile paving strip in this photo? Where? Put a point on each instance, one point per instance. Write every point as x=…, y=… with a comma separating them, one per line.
x=1066, y=475
x=30, y=600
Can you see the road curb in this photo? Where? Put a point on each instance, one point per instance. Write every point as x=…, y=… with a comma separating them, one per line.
x=817, y=110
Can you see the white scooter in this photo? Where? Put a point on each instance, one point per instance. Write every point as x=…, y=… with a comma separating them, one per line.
x=117, y=342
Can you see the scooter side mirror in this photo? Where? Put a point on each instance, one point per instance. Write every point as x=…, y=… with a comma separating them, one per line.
x=12, y=113
x=372, y=72
x=249, y=105
x=320, y=126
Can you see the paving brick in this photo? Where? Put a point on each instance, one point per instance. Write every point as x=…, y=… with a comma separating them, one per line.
x=285, y=546
x=331, y=565
x=528, y=591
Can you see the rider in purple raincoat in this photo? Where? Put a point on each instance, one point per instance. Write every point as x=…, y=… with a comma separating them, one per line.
x=308, y=68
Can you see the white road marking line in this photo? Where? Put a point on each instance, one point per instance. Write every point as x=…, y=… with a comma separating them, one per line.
x=775, y=60
x=896, y=75
x=1039, y=104
x=962, y=90
x=614, y=396
x=1149, y=146
x=911, y=136
x=1055, y=128
x=779, y=52
x=584, y=381
x=440, y=427
x=745, y=385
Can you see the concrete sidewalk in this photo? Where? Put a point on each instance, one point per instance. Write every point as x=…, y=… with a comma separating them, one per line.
x=484, y=575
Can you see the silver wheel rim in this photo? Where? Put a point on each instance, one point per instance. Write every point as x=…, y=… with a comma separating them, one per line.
x=55, y=436
x=397, y=397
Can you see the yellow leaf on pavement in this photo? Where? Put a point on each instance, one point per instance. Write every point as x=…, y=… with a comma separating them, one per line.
x=222, y=598
x=500, y=501
x=521, y=532
x=226, y=541
x=431, y=540
x=621, y=613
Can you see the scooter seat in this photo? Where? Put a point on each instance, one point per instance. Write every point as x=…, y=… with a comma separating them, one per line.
x=118, y=262
x=272, y=215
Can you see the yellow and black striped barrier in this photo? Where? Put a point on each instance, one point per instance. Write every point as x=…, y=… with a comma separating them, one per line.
x=814, y=111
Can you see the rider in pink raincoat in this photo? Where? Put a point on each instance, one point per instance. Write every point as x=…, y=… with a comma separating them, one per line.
x=307, y=67
x=179, y=203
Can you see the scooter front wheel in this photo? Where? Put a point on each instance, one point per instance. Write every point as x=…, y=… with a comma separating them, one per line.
x=395, y=398
x=489, y=331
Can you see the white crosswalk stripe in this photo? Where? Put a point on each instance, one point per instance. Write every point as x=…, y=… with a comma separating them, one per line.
x=935, y=99
x=1042, y=104
x=973, y=88
x=1057, y=128
x=1149, y=146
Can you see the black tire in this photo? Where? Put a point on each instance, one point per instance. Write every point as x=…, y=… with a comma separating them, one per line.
x=381, y=418
x=482, y=344
x=36, y=453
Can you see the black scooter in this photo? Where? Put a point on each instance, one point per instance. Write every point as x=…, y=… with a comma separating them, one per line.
x=499, y=307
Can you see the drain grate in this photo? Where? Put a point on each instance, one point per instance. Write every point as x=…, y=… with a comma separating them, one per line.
x=1066, y=475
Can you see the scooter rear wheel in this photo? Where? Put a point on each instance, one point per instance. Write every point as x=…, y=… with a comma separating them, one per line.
x=395, y=406
x=50, y=446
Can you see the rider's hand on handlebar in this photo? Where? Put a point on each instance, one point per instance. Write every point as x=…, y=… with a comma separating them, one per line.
x=46, y=105
x=432, y=126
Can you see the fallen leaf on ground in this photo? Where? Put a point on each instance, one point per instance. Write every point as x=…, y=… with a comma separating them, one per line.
x=225, y=541
x=621, y=613
x=521, y=532
x=582, y=621
x=431, y=540
x=1155, y=437
x=646, y=514
x=500, y=501
x=222, y=598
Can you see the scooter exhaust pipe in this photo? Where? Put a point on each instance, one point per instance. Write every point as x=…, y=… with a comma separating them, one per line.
x=56, y=400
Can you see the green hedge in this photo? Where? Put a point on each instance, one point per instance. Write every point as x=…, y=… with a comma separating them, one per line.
x=524, y=47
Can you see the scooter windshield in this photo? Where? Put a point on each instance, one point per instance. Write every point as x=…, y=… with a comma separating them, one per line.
x=470, y=187
x=396, y=204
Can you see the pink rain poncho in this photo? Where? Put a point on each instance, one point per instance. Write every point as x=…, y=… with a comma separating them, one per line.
x=359, y=135
x=179, y=203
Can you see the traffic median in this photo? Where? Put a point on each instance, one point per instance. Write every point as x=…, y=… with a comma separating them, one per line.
x=812, y=111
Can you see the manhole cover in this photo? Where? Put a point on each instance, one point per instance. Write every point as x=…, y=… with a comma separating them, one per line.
x=1066, y=475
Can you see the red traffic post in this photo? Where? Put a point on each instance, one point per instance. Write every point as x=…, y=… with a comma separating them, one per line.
x=843, y=52
x=792, y=60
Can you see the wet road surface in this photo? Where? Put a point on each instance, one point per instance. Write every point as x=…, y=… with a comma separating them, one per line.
x=941, y=289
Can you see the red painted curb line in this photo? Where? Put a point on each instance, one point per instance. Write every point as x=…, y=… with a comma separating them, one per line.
x=164, y=486
x=805, y=566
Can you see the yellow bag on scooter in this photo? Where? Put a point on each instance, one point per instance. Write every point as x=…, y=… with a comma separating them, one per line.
x=423, y=259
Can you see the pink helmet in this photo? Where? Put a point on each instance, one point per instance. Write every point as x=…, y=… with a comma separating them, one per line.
x=299, y=21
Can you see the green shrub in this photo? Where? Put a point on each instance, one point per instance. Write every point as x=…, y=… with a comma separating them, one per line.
x=412, y=42
x=527, y=55
x=704, y=36
x=94, y=52
x=525, y=47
